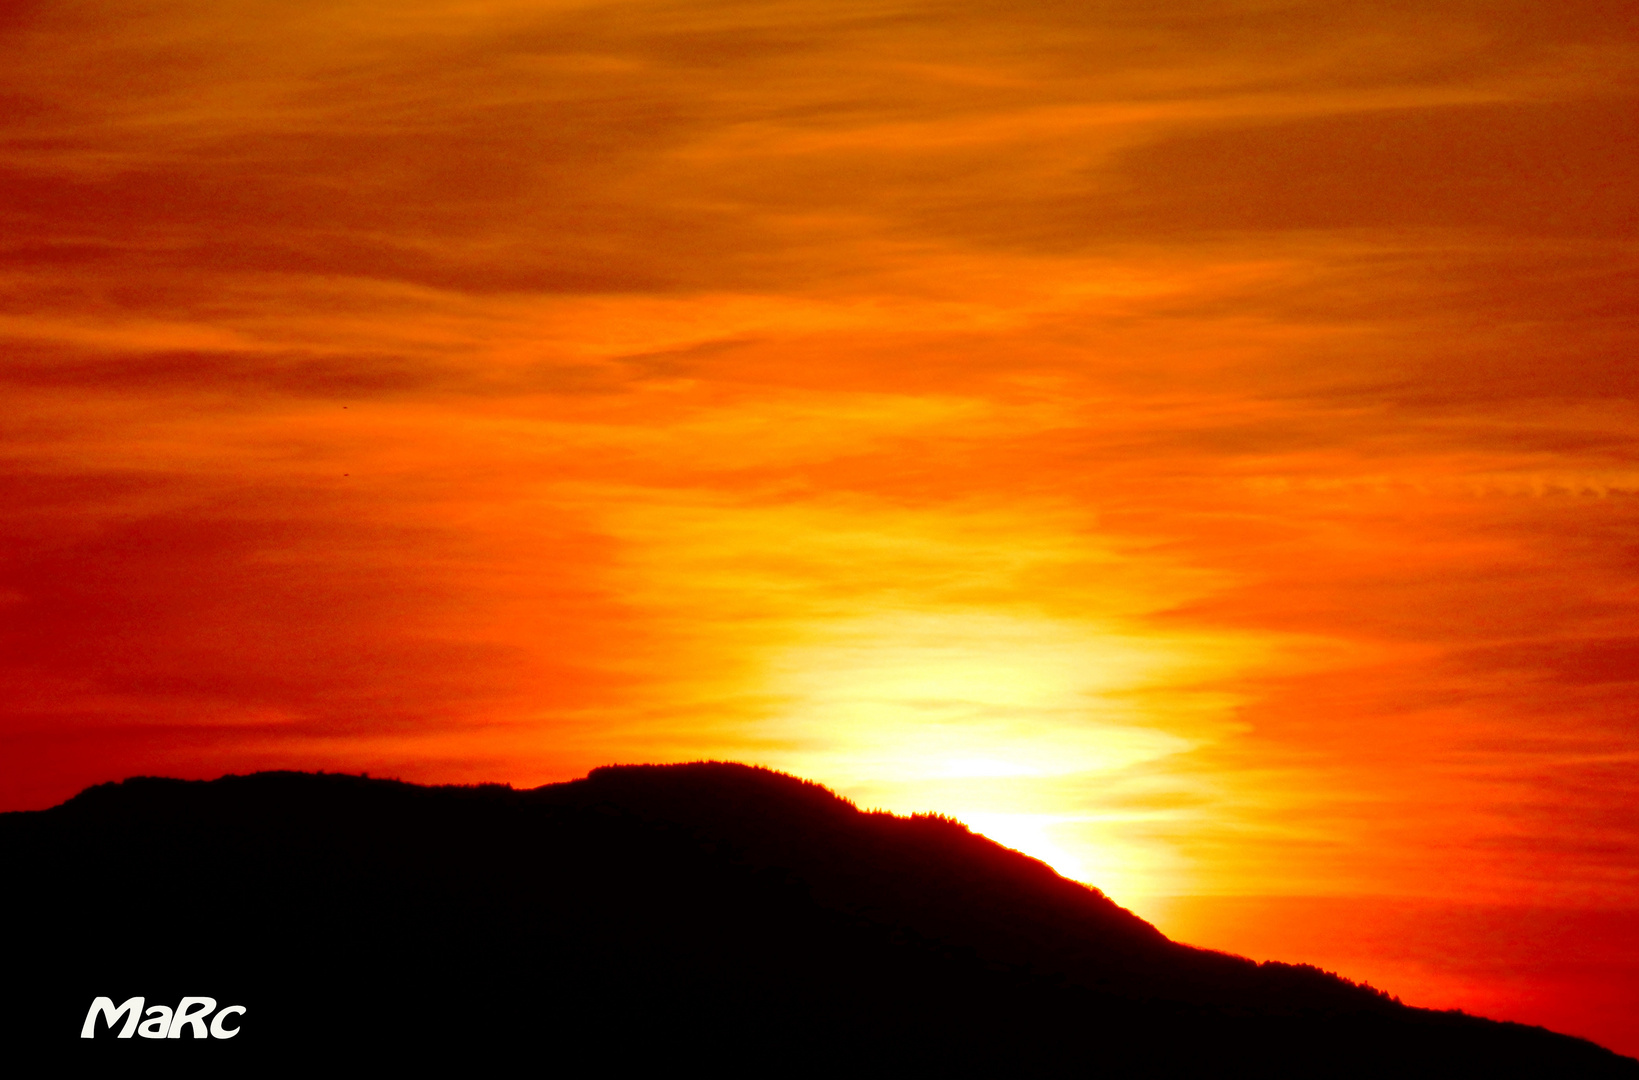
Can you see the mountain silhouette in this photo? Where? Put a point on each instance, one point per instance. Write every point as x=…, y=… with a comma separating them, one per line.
x=709, y=915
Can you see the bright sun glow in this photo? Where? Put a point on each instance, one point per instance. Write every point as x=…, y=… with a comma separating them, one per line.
x=992, y=719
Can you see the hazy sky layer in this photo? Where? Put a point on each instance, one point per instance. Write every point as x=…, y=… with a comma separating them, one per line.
x=1193, y=442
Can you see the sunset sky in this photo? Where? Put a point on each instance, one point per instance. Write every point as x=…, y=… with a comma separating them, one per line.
x=1196, y=443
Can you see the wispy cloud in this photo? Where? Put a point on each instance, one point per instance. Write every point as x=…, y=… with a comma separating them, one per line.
x=1218, y=415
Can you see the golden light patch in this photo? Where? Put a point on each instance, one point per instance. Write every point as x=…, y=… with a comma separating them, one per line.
x=993, y=719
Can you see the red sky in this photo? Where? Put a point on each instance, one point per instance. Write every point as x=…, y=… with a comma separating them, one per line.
x=1192, y=442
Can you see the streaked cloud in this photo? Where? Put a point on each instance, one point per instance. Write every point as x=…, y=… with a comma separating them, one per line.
x=1193, y=441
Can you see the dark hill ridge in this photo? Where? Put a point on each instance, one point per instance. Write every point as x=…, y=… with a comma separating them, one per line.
x=708, y=913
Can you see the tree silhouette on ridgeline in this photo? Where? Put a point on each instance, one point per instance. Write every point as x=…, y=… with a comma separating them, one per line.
x=710, y=913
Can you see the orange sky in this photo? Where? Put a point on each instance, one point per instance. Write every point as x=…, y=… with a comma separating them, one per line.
x=1192, y=442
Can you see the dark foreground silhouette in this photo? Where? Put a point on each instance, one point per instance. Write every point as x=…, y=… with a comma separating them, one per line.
x=651, y=917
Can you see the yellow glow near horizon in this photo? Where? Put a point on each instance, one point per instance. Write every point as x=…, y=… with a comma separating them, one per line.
x=1005, y=722
x=1192, y=444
